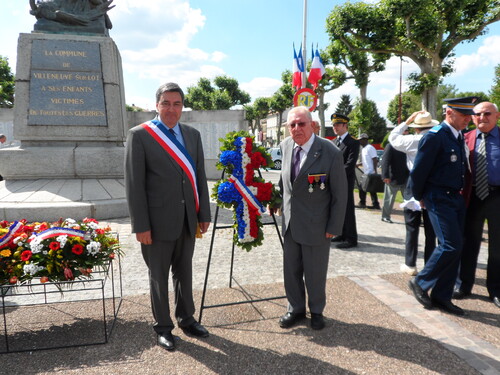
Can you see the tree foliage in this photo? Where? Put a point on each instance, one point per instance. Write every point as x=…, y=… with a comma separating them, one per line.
x=365, y=118
x=344, y=106
x=409, y=103
x=425, y=31
x=224, y=95
x=7, y=84
x=495, y=89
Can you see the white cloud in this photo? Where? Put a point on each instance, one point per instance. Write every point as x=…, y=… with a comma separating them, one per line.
x=261, y=87
x=488, y=54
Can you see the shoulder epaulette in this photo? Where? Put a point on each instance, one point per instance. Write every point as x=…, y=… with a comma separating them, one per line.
x=435, y=129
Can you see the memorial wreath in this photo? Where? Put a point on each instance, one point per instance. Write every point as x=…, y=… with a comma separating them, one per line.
x=61, y=251
x=241, y=190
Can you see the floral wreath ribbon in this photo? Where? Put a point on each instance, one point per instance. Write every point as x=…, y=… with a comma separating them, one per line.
x=16, y=225
x=247, y=194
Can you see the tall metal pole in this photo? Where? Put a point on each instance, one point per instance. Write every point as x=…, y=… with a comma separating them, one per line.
x=304, y=76
x=400, y=104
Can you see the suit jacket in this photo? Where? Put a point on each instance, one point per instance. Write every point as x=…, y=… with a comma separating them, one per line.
x=394, y=165
x=310, y=215
x=350, y=150
x=440, y=163
x=159, y=194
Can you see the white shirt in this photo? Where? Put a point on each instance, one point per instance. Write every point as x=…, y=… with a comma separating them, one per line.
x=305, y=149
x=367, y=154
x=407, y=143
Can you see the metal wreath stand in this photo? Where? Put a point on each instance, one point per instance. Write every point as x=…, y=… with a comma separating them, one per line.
x=247, y=295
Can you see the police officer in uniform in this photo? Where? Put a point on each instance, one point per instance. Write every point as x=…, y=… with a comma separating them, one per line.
x=436, y=180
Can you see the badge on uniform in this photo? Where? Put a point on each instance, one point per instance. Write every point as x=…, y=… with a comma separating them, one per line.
x=453, y=157
x=316, y=180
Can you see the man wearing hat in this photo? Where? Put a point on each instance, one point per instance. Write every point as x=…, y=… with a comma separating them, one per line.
x=421, y=122
x=437, y=180
x=482, y=193
x=369, y=161
x=350, y=150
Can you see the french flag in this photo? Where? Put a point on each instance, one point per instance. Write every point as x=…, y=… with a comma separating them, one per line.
x=317, y=70
x=298, y=69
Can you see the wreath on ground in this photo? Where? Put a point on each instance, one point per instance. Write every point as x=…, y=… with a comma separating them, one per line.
x=241, y=190
x=52, y=252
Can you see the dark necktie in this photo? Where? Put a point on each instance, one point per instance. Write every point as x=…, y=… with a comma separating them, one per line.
x=481, y=169
x=339, y=141
x=172, y=132
x=296, y=163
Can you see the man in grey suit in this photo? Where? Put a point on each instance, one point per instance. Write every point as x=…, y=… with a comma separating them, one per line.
x=168, y=202
x=314, y=188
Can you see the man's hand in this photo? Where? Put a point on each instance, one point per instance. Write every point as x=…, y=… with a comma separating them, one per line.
x=144, y=237
x=328, y=235
x=204, y=227
x=412, y=117
x=387, y=181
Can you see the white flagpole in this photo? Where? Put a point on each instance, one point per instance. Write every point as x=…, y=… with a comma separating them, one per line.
x=304, y=56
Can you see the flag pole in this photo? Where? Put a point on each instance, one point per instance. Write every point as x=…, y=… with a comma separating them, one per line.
x=304, y=76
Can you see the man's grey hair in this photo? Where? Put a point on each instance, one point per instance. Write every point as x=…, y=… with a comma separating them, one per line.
x=302, y=109
x=169, y=87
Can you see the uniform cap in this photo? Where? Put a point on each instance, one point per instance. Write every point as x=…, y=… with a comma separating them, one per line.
x=339, y=118
x=462, y=105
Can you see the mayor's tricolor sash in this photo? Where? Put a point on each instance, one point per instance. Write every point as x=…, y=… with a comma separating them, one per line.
x=177, y=151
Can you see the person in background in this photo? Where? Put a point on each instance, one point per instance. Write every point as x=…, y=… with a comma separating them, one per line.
x=168, y=201
x=369, y=161
x=437, y=179
x=314, y=189
x=350, y=150
x=421, y=122
x=394, y=174
x=482, y=192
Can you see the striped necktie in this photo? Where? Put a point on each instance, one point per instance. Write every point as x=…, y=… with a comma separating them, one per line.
x=296, y=163
x=172, y=132
x=481, y=169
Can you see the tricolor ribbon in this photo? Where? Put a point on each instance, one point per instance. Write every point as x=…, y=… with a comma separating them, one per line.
x=246, y=194
x=57, y=231
x=178, y=152
x=16, y=225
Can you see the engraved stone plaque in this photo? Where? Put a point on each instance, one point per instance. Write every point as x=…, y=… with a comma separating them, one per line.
x=66, y=84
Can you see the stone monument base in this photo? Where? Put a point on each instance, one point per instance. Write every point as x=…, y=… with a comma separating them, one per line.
x=52, y=199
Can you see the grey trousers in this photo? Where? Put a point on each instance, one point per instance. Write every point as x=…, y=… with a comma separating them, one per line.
x=160, y=257
x=305, y=267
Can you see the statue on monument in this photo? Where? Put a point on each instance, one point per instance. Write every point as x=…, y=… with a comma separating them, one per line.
x=80, y=16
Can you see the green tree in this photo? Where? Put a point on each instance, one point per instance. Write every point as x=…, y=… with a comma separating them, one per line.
x=7, y=84
x=281, y=100
x=224, y=95
x=409, y=103
x=365, y=118
x=261, y=107
x=133, y=108
x=425, y=31
x=344, y=106
x=495, y=89
x=358, y=63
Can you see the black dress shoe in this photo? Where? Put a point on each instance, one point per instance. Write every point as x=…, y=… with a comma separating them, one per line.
x=317, y=321
x=346, y=245
x=448, y=307
x=496, y=301
x=290, y=319
x=460, y=293
x=386, y=220
x=166, y=341
x=337, y=239
x=361, y=205
x=420, y=294
x=195, y=329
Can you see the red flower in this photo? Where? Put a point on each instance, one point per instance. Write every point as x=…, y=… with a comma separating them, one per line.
x=44, y=279
x=99, y=231
x=55, y=245
x=77, y=249
x=43, y=227
x=26, y=255
x=90, y=220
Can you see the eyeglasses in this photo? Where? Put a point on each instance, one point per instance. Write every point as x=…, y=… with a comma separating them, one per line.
x=486, y=114
x=299, y=124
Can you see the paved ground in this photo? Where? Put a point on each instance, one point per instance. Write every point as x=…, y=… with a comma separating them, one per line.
x=374, y=326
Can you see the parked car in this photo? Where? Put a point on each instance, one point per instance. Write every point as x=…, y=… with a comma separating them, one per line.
x=275, y=153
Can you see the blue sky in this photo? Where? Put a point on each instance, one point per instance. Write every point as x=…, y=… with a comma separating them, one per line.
x=250, y=40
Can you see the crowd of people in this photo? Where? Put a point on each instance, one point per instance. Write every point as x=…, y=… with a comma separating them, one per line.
x=454, y=185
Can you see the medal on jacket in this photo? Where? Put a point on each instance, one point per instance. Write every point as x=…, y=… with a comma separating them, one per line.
x=316, y=179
